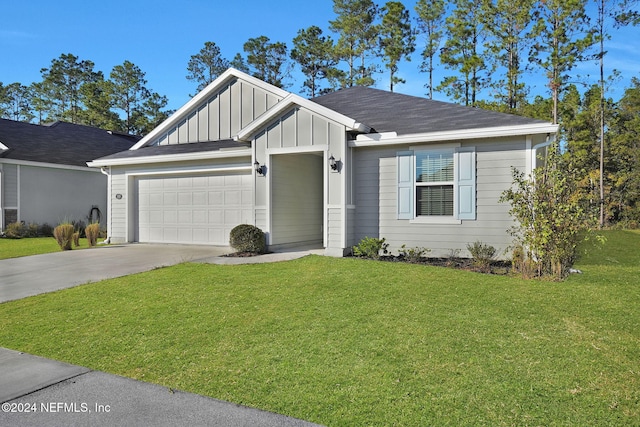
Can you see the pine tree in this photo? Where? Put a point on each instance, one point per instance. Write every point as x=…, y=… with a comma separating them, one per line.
x=430, y=23
x=357, y=39
x=561, y=37
x=461, y=52
x=205, y=66
x=314, y=54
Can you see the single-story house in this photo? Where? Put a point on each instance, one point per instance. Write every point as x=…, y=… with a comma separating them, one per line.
x=327, y=171
x=44, y=177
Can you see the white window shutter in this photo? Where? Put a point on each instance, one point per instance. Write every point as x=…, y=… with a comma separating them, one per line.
x=405, y=184
x=466, y=182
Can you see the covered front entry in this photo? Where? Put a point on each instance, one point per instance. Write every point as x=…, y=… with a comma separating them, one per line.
x=200, y=209
x=297, y=199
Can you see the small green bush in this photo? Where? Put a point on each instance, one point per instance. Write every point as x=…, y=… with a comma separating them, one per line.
x=247, y=238
x=92, y=231
x=413, y=255
x=15, y=230
x=45, y=230
x=482, y=254
x=63, y=234
x=370, y=247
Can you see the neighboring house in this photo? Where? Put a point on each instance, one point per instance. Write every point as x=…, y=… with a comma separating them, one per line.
x=329, y=171
x=44, y=177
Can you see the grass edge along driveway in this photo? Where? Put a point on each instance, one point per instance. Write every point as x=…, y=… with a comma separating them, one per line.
x=356, y=342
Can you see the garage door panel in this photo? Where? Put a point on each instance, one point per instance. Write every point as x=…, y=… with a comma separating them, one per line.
x=192, y=209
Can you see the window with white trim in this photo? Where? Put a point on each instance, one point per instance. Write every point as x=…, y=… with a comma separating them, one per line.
x=437, y=184
x=434, y=183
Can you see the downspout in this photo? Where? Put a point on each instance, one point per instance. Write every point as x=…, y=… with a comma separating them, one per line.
x=535, y=148
x=106, y=170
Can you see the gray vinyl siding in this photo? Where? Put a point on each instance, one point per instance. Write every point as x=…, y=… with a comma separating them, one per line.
x=55, y=195
x=222, y=115
x=376, y=199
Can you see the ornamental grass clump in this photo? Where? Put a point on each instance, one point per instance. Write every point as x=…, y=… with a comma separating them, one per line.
x=63, y=234
x=247, y=238
x=92, y=231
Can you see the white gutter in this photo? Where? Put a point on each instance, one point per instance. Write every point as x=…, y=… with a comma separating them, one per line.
x=163, y=158
x=535, y=148
x=391, y=138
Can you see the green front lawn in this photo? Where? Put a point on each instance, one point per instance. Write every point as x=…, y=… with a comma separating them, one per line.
x=356, y=342
x=14, y=248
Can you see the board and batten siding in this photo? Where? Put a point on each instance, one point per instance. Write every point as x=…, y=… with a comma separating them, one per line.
x=376, y=200
x=297, y=133
x=222, y=115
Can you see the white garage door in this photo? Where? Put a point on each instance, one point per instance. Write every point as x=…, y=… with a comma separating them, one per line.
x=199, y=209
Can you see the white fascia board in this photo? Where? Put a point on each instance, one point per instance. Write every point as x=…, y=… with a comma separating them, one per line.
x=373, y=140
x=3, y=147
x=205, y=93
x=46, y=165
x=168, y=158
x=292, y=99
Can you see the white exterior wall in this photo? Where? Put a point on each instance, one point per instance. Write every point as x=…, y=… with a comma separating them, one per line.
x=376, y=199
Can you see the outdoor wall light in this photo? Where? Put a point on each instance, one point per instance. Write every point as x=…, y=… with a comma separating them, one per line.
x=333, y=164
x=259, y=169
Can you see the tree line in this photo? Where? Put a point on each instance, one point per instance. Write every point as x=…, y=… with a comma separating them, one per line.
x=488, y=48
x=72, y=90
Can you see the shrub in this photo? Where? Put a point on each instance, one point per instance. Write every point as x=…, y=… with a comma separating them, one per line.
x=63, y=234
x=247, y=238
x=549, y=220
x=370, y=247
x=76, y=239
x=482, y=254
x=45, y=230
x=92, y=231
x=15, y=230
x=31, y=230
x=413, y=255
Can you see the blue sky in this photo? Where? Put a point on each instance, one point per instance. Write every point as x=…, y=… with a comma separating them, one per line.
x=160, y=36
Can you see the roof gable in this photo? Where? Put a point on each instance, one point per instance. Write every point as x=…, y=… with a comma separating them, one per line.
x=404, y=114
x=59, y=143
x=218, y=112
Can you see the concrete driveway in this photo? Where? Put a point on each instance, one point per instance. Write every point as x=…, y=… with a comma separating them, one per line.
x=33, y=275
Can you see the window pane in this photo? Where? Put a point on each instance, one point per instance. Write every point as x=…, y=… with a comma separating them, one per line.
x=434, y=200
x=434, y=166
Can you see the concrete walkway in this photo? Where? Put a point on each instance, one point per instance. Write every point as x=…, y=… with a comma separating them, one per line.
x=35, y=391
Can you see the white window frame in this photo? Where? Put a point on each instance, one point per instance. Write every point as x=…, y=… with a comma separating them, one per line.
x=408, y=189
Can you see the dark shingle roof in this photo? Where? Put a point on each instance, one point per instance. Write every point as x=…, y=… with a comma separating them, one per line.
x=195, y=147
x=60, y=142
x=393, y=112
